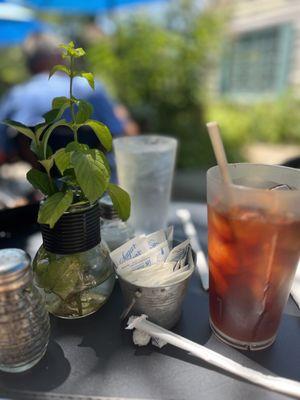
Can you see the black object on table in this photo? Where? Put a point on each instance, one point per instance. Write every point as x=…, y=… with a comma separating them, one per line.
x=95, y=356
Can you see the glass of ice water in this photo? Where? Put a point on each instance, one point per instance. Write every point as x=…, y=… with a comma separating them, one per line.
x=145, y=167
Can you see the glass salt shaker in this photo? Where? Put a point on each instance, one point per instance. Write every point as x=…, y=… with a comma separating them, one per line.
x=114, y=231
x=24, y=321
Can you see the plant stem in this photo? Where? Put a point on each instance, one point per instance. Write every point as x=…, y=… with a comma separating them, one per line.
x=51, y=181
x=79, y=303
x=71, y=99
x=75, y=131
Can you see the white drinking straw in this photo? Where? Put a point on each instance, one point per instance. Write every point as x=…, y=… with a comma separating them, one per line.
x=274, y=383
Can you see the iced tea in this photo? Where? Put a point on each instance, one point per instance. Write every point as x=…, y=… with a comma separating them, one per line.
x=253, y=255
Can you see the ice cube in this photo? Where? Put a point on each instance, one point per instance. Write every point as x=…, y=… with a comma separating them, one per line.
x=257, y=183
x=254, y=182
x=281, y=186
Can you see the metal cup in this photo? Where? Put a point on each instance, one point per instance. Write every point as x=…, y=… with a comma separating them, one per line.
x=162, y=304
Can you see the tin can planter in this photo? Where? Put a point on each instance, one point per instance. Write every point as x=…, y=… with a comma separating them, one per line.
x=72, y=267
x=162, y=304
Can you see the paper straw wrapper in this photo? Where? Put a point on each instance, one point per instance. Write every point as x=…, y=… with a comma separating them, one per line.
x=274, y=383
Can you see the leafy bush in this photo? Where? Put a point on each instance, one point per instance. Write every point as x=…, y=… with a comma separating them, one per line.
x=276, y=121
x=160, y=71
x=12, y=68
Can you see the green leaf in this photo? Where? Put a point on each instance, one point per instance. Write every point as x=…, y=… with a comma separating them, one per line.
x=76, y=146
x=71, y=51
x=60, y=276
x=91, y=175
x=48, y=132
x=89, y=77
x=55, y=113
x=39, y=129
x=51, y=115
x=20, y=128
x=62, y=160
x=68, y=46
x=54, y=207
x=58, y=102
x=121, y=200
x=39, y=180
x=37, y=149
x=85, y=111
x=47, y=164
x=66, y=279
x=102, y=132
x=97, y=154
x=77, y=53
x=61, y=68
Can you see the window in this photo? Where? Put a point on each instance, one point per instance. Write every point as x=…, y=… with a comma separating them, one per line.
x=257, y=62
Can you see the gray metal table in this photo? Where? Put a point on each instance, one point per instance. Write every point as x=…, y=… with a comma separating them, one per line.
x=95, y=356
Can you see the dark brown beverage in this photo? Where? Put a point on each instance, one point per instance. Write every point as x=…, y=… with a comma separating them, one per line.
x=253, y=257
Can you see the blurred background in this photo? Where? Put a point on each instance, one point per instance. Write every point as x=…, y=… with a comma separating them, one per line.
x=162, y=66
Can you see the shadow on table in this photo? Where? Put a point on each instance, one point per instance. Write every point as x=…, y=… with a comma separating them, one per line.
x=48, y=374
x=101, y=331
x=283, y=357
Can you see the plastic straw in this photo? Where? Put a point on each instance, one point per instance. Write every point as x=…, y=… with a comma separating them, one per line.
x=216, y=140
x=274, y=383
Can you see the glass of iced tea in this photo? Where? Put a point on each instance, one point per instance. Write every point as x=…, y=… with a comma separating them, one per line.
x=254, y=249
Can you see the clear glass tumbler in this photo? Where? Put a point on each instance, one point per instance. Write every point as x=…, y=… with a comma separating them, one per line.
x=145, y=167
x=254, y=249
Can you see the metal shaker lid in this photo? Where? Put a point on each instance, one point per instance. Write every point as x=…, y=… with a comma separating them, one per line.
x=13, y=261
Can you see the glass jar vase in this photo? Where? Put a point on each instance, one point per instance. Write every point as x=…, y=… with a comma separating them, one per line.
x=24, y=321
x=73, y=267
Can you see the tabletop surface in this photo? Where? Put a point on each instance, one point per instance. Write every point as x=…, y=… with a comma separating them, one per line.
x=95, y=356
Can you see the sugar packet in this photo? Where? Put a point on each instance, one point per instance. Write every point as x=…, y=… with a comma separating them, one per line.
x=140, y=245
x=156, y=255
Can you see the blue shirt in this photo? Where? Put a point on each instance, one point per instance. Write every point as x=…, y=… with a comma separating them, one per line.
x=27, y=102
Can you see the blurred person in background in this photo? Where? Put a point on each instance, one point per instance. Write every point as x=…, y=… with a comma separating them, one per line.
x=27, y=102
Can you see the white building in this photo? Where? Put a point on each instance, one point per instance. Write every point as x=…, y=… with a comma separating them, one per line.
x=262, y=56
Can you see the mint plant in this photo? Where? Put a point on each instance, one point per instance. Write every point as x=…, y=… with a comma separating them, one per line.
x=84, y=170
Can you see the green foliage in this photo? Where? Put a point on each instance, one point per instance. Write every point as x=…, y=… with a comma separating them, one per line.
x=70, y=51
x=44, y=141
x=20, y=128
x=79, y=166
x=89, y=78
x=120, y=199
x=62, y=160
x=85, y=111
x=91, y=174
x=60, y=276
x=12, y=67
x=55, y=113
x=41, y=181
x=47, y=164
x=267, y=121
x=160, y=72
x=54, y=207
x=102, y=133
x=58, y=102
x=61, y=68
